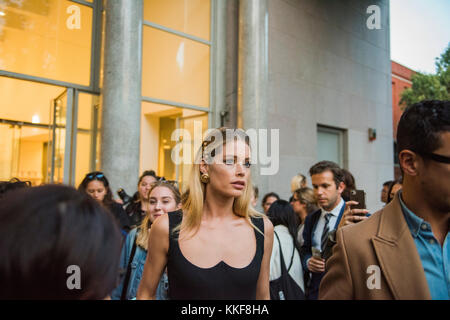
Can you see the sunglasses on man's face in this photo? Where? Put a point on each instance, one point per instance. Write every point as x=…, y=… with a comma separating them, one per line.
x=436, y=157
x=95, y=175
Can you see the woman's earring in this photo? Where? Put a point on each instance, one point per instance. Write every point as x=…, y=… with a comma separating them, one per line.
x=204, y=178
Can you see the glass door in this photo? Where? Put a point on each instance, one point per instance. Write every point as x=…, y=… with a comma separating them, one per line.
x=87, y=139
x=194, y=127
x=57, y=139
x=24, y=151
x=48, y=134
x=9, y=144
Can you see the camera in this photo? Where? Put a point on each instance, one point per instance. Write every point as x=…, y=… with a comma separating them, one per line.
x=124, y=196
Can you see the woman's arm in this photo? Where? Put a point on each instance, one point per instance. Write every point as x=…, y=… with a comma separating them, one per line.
x=262, y=287
x=158, y=248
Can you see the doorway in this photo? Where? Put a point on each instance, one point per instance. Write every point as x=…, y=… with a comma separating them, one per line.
x=39, y=127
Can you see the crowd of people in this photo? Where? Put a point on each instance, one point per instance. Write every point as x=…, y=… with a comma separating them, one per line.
x=210, y=242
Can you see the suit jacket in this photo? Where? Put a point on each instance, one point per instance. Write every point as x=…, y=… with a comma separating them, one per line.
x=376, y=259
x=311, y=283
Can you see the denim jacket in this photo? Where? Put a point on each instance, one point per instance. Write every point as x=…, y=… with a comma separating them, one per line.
x=137, y=268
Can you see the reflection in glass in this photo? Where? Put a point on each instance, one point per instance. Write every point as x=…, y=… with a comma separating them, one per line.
x=46, y=38
x=158, y=149
x=32, y=117
x=191, y=17
x=175, y=68
x=87, y=136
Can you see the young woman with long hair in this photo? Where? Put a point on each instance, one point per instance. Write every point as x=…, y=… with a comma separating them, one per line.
x=163, y=197
x=138, y=207
x=96, y=185
x=217, y=246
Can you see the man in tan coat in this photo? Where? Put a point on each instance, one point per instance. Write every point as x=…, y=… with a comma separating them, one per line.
x=403, y=250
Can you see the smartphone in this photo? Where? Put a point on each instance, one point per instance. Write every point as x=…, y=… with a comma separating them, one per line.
x=316, y=253
x=360, y=197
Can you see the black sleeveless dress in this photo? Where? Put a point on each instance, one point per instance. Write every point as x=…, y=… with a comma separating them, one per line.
x=221, y=282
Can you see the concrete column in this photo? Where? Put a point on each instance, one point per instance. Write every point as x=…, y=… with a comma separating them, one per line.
x=253, y=73
x=226, y=62
x=121, y=112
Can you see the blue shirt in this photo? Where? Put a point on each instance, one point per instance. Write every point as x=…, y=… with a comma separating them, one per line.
x=435, y=259
x=317, y=236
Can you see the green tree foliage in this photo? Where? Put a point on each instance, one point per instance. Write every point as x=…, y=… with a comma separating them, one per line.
x=430, y=86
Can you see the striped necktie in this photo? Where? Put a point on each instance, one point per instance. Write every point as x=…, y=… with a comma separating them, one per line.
x=326, y=229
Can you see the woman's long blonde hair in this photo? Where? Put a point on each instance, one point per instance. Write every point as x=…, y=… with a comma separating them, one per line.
x=142, y=236
x=193, y=198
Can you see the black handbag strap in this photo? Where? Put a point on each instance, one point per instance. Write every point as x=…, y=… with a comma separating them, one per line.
x=128, y=274
x=283, y=266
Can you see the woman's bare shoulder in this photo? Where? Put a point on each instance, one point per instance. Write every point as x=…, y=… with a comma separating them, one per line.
x=161, y=224
x=268, y=226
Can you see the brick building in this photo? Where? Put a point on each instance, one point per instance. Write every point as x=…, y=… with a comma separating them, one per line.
x=401, y=79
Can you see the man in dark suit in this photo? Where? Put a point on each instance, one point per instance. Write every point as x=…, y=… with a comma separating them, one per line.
x=327, y=180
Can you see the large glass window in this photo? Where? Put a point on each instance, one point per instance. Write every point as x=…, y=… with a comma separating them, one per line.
x=30, y=120
x=330, y=145
x=175, y=68
x=88, y=136
x=161, y=147
x=47, y=38
x=176, y=77
x=191, y=17
x=45, y=122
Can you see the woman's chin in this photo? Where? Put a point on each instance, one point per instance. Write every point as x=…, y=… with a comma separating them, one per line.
x=237, y=193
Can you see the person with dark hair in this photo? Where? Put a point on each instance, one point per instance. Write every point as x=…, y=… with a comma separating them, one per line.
x=255, y=195
x=328, y=183
x=403, y=250
x=13, y=184
x=96, y=185
x=58, y=244
x=137, y=208
x=385, y=191
x=285, y=245
x=349, y=182
x=268, y=199
x=394, y=187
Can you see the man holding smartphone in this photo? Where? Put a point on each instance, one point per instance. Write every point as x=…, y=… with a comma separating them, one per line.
x=327, y=180
x=403, y=250
x=328, y=184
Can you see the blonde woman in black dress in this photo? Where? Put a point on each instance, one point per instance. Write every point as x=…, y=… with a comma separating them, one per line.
x=217, y=246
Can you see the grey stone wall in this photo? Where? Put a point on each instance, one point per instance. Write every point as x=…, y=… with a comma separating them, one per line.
x=326, y=67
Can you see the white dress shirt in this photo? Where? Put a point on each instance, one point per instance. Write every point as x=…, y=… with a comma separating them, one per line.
x=287, y=244
x=317, y=236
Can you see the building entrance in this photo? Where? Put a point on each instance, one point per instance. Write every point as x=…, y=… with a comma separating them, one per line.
x=44, y=130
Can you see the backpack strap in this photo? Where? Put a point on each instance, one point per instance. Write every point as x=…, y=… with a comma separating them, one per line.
x=282, y=264
x=293, y=253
